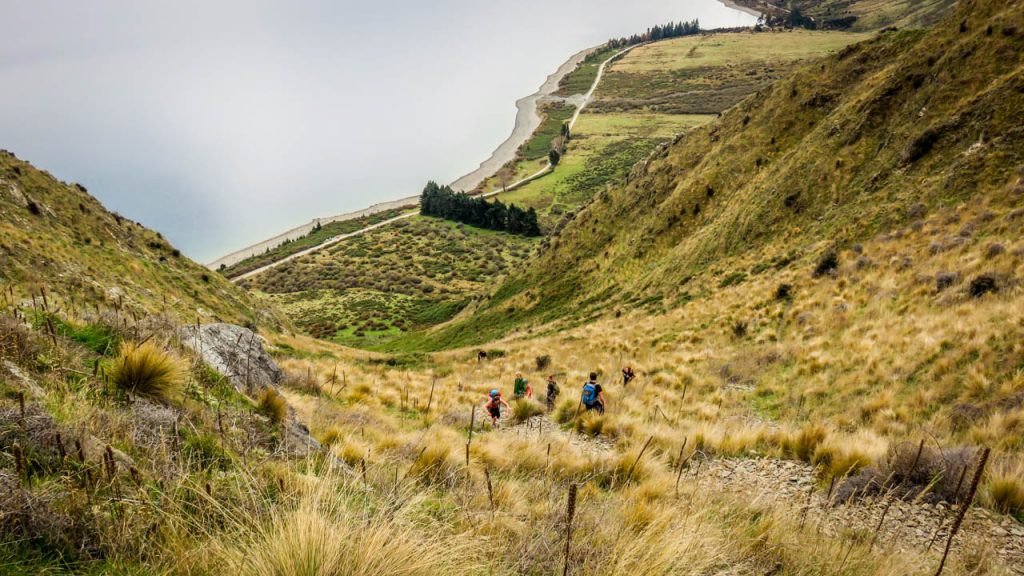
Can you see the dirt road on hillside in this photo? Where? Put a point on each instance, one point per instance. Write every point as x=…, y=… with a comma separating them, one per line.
x=549, y=87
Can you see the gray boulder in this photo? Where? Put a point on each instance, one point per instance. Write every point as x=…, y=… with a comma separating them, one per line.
x=235, y=352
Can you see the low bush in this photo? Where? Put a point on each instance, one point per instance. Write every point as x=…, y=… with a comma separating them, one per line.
x=828, y=264
x=804, y=443
x=914, y=471
x=524, y=409
x=784, y=292
x=273, y=405
x=1004, y=490
x=205, y=452
x=146, y=370
x=982, y=284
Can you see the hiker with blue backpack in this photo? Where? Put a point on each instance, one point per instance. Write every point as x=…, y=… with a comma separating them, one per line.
x=493, y=406
x=593, y=395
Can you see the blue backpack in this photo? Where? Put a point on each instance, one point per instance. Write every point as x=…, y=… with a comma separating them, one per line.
x=589, y=393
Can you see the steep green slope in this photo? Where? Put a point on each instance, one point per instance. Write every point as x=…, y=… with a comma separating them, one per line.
x=857, y=14
x=885, y=131
x=55, y=237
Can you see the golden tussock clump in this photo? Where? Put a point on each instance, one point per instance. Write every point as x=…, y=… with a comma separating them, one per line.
x=147, y=370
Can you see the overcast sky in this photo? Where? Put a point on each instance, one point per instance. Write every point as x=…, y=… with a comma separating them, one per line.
x=223, y=123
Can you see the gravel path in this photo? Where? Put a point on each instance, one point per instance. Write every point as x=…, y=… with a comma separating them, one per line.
x=771, y=481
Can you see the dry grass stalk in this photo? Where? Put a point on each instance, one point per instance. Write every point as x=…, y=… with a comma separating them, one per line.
x=570, y=512
x=965, y=506
x=632, y=468
x=490, y=489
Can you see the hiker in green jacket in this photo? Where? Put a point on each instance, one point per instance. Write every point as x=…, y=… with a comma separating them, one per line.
x=521, y=389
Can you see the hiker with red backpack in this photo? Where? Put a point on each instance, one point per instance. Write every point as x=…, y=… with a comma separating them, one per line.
x=493, y=406
x=593, y=395
x=627, y=375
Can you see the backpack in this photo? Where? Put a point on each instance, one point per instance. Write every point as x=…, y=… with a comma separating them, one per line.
x=589, y=393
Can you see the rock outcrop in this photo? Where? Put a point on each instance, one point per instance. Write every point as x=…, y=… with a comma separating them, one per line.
x=235, y=352
x=238, y=354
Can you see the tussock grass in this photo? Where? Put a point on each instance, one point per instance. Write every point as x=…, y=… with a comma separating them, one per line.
x=525, y=408
x=1004, y=488
x=147, y=370
x=326, y=532
x=272, y=405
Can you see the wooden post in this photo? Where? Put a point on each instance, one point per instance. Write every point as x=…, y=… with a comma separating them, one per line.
x=965, y=506
x=430, y=399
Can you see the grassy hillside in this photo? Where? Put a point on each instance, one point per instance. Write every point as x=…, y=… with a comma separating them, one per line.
x=55, y=237
x=656, y=93
x=885, y=132
x=369, y=289
x=315, y=237
x=820, y=294
x=859, y=15
x=709, y=73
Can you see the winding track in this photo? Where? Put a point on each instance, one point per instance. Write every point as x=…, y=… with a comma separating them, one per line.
x=342, y=237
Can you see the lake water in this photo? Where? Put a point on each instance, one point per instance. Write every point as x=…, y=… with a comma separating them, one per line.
x=223, y=125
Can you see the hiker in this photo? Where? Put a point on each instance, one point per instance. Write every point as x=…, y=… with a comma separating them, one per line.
x=521, y=389
x=593, y=395
x=552, y=392
x=627, y=375
x=493, y=406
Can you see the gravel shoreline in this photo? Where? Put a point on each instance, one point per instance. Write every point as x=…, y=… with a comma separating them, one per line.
x=527, y=121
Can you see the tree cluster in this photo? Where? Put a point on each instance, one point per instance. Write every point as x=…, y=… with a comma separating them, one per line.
x=670, y=30
x=443, y=202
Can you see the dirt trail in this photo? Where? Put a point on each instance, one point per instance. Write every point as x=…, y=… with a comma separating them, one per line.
x=771, y=481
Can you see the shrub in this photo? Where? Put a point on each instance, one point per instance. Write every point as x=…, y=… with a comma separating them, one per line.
x=543, y=362
x=590, y=423
x=435, y=464
x=732, y=279
x=16, y=341
x=205, y=452
x=524, y=409
x=995, y=249
x=944, y=280
x=565, y=411
x=740, y=328
x=1004, y=491
x=146, y=370
x=306, y=383
x=803, y=445
x=981, y=285
x=784, y=292
x=912, y=471
x=273, y=405
x=828, y=264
